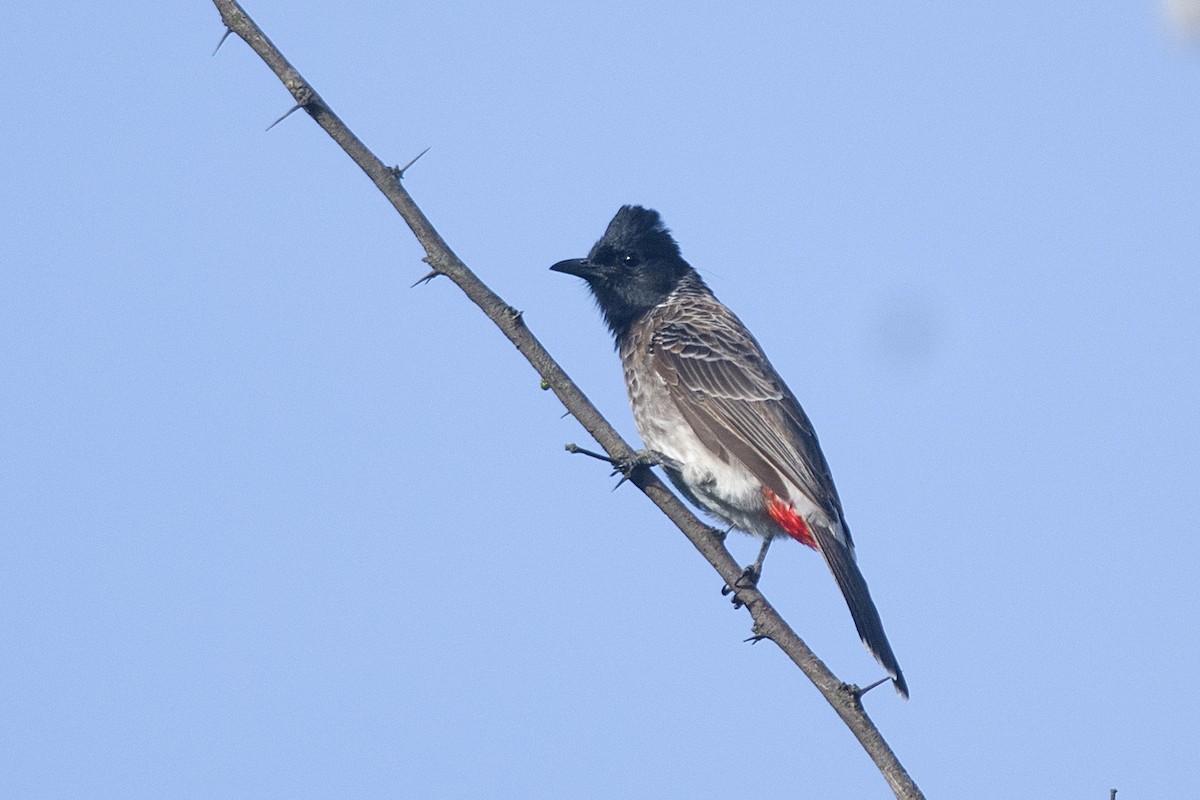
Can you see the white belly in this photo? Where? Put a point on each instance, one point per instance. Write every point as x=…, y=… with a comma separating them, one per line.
x=722, y=486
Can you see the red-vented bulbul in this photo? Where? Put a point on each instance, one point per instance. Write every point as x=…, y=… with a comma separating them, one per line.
x=714, y=412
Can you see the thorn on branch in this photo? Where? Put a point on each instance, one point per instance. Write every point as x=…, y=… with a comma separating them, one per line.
x=224, y=36
x=290, y=111
x=756, y=634
x=399, y=171
x=858, y=693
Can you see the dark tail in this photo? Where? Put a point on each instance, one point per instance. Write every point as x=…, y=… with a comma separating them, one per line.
x=862, y=608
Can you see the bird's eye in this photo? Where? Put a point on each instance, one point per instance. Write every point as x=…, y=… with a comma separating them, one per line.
x=629, y=260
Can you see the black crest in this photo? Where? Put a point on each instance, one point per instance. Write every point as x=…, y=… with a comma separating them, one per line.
x=635, y=230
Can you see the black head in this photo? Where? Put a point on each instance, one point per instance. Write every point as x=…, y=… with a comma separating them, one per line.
x=633, y=267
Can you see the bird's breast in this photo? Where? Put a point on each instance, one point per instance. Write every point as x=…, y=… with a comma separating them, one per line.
x=715, y=481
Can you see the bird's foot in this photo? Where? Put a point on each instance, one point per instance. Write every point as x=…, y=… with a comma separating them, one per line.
x=750, y=576
x=624, y=466
x=747, y=580
x=642, y=458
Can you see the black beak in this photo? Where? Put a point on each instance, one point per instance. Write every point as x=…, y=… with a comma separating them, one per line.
x=579, y=267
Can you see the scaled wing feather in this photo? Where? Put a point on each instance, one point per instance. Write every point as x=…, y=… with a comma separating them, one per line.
x=723, y=384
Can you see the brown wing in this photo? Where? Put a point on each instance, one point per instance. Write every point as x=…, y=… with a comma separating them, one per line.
x=731, y=395
x=738, y=405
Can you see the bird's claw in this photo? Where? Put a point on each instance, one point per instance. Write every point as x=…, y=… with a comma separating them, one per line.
x=750, y=576
x=642, y=458
x=625, y=467
x=747, y=580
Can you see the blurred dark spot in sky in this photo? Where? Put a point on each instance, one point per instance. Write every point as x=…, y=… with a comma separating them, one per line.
x=906, y=328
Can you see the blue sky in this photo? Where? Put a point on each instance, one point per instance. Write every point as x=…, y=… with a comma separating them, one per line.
x=278, y=525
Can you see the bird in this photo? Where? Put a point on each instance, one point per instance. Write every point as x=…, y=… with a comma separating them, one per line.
x=713, y=411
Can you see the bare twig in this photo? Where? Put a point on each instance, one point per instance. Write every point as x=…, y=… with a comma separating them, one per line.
x=768, y=624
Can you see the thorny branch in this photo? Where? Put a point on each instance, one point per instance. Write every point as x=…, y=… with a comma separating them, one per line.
x=846, y=699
